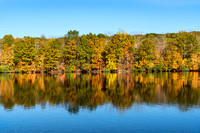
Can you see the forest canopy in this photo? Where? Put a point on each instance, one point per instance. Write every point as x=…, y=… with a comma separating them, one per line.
x=91, y=52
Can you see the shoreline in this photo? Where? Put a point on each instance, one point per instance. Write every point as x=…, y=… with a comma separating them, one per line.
x=98, y=72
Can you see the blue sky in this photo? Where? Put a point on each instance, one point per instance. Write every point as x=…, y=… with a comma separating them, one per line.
x=53, y=18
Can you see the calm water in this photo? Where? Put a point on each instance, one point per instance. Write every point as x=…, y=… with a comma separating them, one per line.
x=137, y=102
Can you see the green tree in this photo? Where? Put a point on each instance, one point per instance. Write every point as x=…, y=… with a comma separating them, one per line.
x=52, y=55
x=85, y=53
x=70, y=54
x=147, y=50
x=72, y=34
x=8, y=39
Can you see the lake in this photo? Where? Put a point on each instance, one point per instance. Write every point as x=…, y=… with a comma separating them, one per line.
x=134, y=102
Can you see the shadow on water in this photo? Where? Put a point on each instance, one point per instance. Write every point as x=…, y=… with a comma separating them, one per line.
x=76, y=91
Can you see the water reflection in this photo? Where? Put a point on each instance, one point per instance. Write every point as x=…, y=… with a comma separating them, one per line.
x=76, y=91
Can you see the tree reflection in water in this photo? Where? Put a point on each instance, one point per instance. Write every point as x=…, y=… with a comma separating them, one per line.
x=76, y=91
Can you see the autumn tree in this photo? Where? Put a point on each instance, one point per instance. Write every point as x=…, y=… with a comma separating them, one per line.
x=97, y=45
x=184, y=41
x=41, y=46
x=172, y=58
x=119, y=51
x=24, y=54
x=146, y=55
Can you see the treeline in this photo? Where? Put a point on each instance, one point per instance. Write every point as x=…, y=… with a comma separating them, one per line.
x=91, y=52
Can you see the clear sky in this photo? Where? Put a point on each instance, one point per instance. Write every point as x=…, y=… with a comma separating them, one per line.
x=53, y=18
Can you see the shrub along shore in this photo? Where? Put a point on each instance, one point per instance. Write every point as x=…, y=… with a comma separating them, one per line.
x=93, y=53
